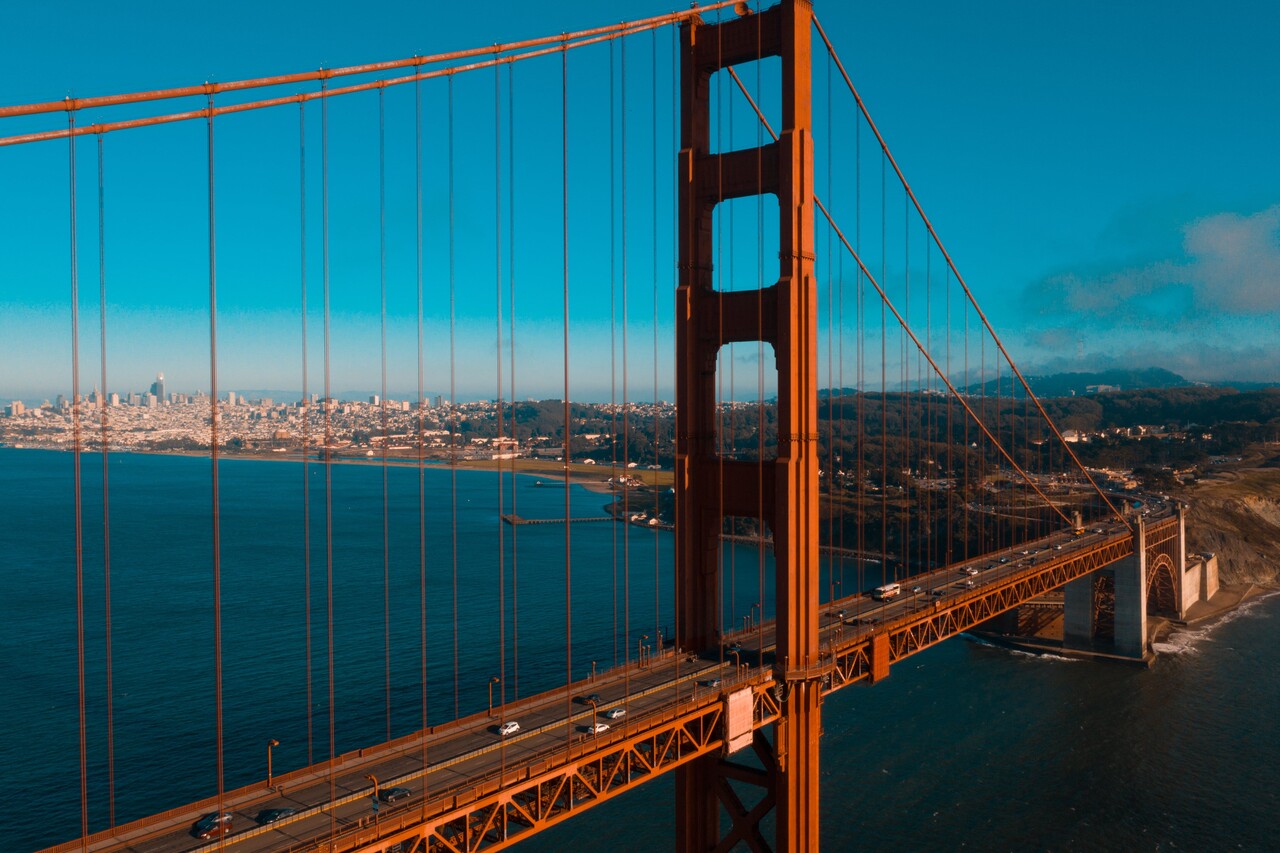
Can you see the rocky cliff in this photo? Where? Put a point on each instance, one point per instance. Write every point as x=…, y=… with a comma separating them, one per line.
x=1236, y=515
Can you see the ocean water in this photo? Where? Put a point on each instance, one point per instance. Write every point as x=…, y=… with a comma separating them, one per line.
x=964, y=746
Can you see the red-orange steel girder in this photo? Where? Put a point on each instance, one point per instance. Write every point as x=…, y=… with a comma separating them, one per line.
x=783, y=493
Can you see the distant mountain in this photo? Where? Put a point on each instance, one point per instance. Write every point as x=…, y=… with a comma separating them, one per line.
x=1079, y=384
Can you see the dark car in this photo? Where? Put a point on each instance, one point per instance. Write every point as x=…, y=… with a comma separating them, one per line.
x=391, y=795
x=212, y=825
x=590, y=698
x=267, y=816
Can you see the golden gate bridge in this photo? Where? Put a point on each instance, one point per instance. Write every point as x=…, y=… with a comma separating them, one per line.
x=930, y=459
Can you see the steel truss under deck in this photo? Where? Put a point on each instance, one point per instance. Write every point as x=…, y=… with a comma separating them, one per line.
x=498, y=812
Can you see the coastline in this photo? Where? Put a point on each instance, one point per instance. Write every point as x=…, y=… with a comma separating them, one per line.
x=593, y=477
x=1202, y=615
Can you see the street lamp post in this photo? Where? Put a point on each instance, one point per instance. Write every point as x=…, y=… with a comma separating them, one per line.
x=640, y=652
x=271, y=744
x=593, y=670
x=492, y=681
x=754, y=608
x=374, y=780
x=737, y=661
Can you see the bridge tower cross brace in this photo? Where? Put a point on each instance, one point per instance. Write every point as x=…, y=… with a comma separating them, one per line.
x=782, y=492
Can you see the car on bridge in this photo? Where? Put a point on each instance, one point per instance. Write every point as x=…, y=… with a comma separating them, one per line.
x=212, y=825
x=267, y=816
x=589, y=699
x=391, y=795
x=597, y=728
x=615, y=713
x=510, y=727
x=970, y=571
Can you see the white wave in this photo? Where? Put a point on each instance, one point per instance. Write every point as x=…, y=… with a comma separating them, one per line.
x=1022, y=653
x=1186, y=641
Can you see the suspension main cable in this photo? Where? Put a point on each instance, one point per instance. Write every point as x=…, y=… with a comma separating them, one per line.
x=951, y=264
x=601, y=33
x=888, y=304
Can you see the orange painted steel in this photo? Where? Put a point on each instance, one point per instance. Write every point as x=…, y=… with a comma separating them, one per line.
x=516, y=51
x=928, y=224
x=73, y=104
x=542, y=790
x=783, y=493
x=934, y=622
x=888, y=303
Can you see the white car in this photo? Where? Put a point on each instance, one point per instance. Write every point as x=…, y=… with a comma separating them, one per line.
x=970, y=571
x=510, y=727
x=615, y=713
x=598, y=728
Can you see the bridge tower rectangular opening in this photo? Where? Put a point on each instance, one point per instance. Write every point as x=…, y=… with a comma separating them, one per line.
x=784, y=488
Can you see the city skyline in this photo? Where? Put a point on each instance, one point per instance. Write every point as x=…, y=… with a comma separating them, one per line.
x=1096, y=224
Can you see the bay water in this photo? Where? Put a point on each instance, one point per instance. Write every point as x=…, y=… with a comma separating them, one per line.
x=963, y=746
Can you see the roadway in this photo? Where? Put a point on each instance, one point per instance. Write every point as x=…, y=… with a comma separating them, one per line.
x=461, y=754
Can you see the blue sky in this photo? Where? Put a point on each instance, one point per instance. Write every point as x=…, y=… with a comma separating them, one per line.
x=1103, y=174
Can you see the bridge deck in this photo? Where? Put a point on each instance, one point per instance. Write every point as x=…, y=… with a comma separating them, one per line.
x=484, y=786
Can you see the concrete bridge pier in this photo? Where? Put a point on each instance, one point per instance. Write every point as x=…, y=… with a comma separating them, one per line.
x=1125, y=584
x=1077, y=613
x=1131, y=602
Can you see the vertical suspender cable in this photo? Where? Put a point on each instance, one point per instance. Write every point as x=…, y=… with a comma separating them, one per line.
x=213, y=458
x=453, y=409
x=904, y=362
x=106, y=493
x=497, y=299
x=386, y=505
x=675, y=146
x=657, y=575
x=861, y=355
x=564, y=201
x=928, y=460
x=722, y=432
x=511, y=284
x=760, y=423
x=75, y=462
x=613, y=335
x=305, y=411
x=328, y=450
x=422, y=486
x=732, y=418
x=884, y=395
x=831, y=393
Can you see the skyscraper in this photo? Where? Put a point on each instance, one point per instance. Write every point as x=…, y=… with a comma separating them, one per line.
x=157, y=387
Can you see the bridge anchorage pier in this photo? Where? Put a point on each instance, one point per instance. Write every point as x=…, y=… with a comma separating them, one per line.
x=781, y=493
x=1107, y=610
